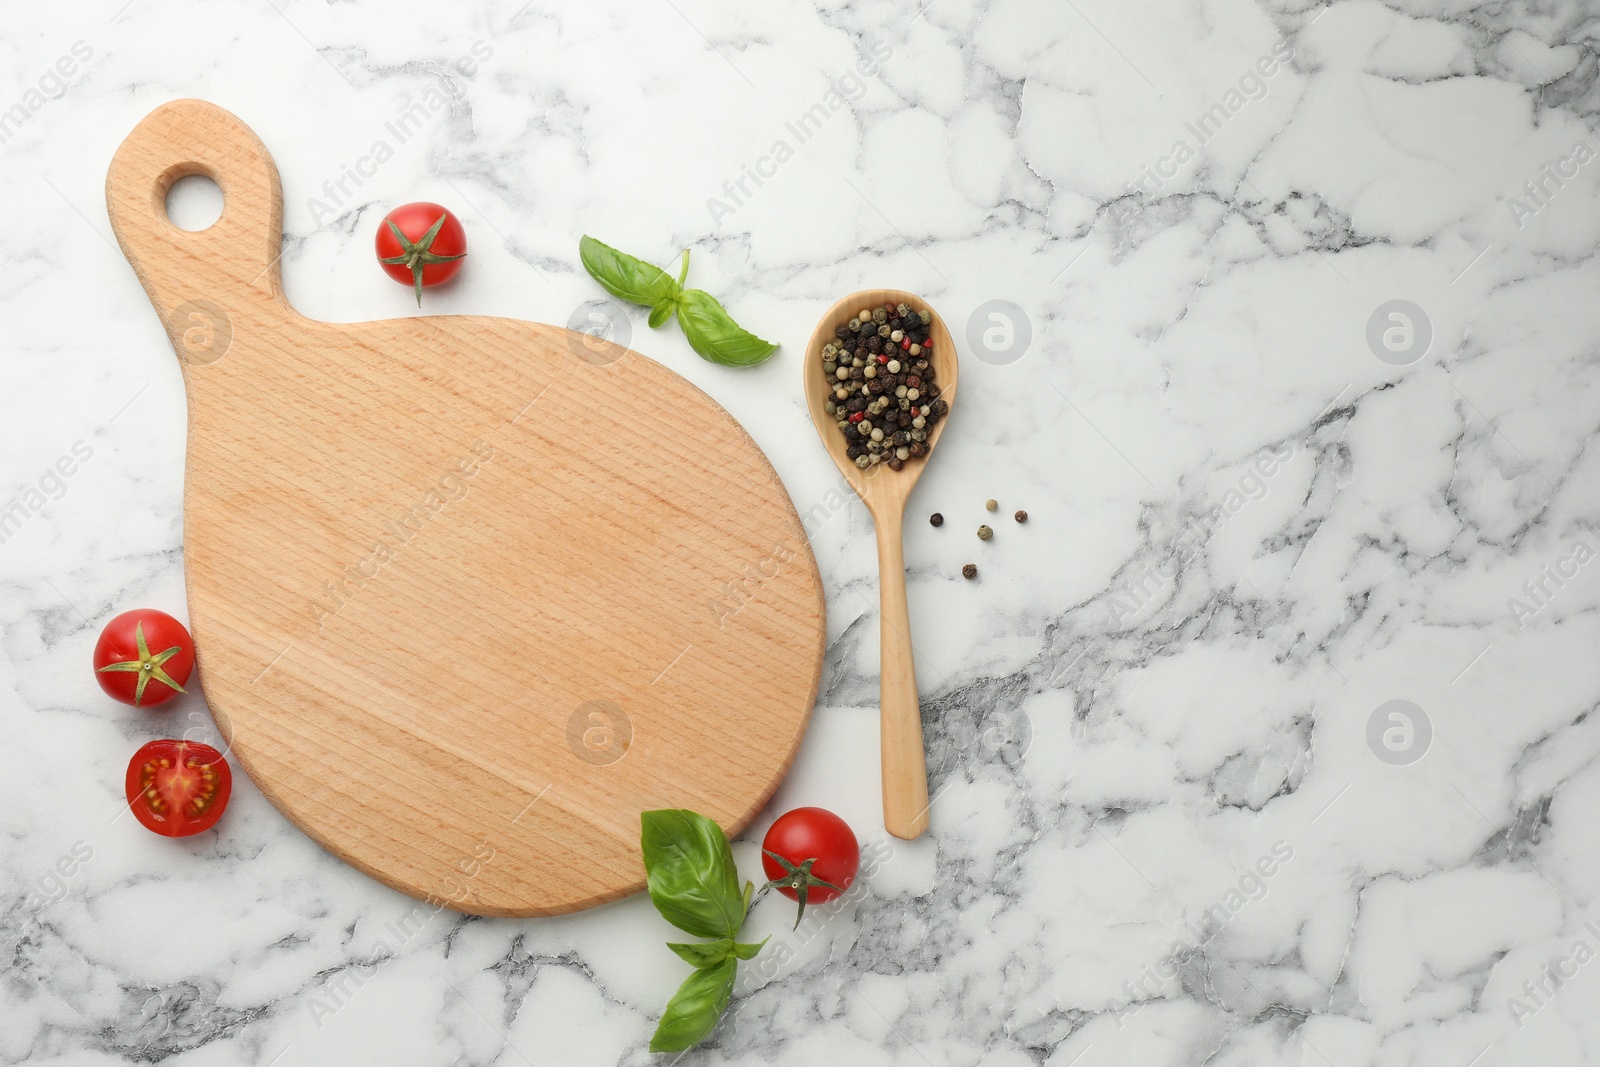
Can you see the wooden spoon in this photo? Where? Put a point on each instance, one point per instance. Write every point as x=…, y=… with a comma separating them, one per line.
x=884, y=491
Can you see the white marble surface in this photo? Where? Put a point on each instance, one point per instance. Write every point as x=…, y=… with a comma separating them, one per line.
x=1248, y=531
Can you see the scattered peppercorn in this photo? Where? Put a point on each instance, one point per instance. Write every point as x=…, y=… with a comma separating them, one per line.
x=969, y=571
x=1021, y=516
x=984, y=533
x=885, y=400
x=936, y=519
x=992, y=504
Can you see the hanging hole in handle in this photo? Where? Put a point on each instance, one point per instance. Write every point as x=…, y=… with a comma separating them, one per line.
x=193, y=199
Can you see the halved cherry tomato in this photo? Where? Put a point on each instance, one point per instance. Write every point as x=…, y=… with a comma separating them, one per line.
x=421, y=245
x=143, y=657
x=178, y=788
x=811, y=855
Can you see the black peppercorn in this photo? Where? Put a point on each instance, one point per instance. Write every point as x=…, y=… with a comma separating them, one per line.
x=936, y=519
x=1021, y=516
x=969, y=571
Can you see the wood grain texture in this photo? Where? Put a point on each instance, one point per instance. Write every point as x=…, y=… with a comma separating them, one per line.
x=468, y=594
x=884, y=491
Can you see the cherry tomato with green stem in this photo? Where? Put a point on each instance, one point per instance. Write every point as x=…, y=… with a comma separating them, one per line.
x=143, y=657
x=421, y=245
x=811, y=856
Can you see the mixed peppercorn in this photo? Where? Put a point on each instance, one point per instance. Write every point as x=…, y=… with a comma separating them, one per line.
x=985, y=532
x=885, y=399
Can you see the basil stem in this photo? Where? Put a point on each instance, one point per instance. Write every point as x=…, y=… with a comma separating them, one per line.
x=708, y=326
x=695, y=885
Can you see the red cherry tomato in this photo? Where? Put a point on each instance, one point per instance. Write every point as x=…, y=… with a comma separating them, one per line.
x=143, y=657
x=178, y=788
x=810, y=841
x=421, y=245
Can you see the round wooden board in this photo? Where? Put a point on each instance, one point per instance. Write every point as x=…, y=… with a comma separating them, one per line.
x=469, y=594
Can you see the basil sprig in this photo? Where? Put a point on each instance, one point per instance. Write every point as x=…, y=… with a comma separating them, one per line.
x=706, y=323
x=695, y=886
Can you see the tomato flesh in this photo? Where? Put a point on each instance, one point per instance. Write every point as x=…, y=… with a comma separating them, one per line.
x=178, y=788
x=813, y=834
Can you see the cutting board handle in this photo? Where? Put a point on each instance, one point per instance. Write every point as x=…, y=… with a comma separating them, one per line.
x=182, y=270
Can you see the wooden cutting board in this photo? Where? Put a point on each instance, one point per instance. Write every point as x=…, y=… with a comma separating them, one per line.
x=468, y=593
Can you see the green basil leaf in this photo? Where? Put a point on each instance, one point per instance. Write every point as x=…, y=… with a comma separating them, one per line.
x=662, y=312
x=713, y=333
x=694, y=1009
x=624, y=276
x=748, y=952
x=690, y=872
x=706, y=953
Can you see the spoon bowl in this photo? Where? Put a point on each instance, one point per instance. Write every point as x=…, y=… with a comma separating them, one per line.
x=884, y=491
x=878, y=486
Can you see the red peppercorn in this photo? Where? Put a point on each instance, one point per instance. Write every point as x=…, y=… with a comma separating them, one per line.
x=906, y=343
x=883, y=359
x=857, y=417
x=927, y=346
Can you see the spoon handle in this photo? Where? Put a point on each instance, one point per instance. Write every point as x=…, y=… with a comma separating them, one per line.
x=905, y=769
